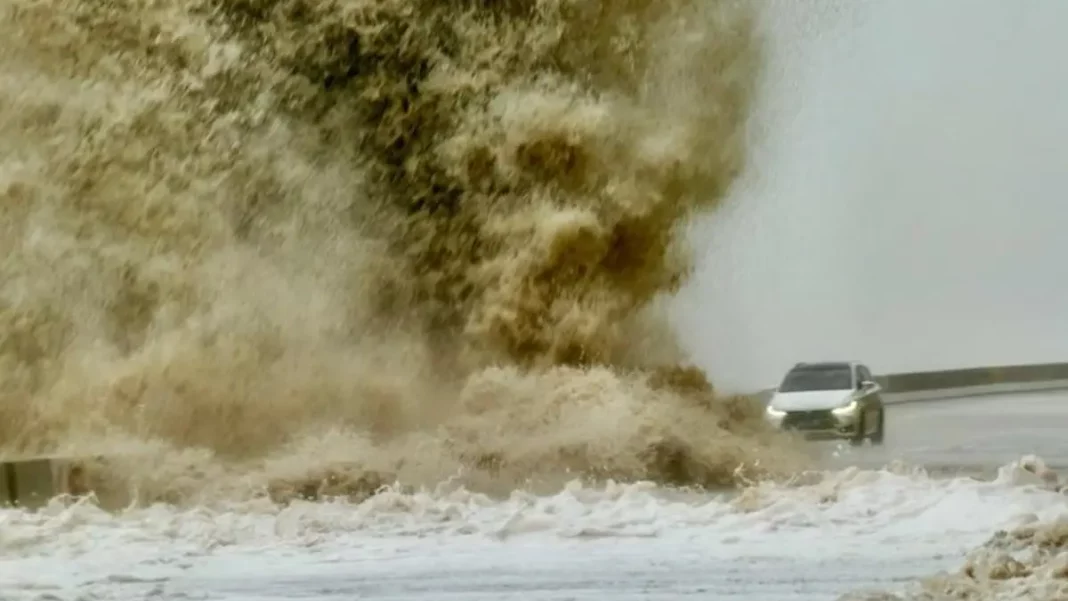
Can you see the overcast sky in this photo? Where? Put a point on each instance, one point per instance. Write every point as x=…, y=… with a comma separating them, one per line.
x=907, y=202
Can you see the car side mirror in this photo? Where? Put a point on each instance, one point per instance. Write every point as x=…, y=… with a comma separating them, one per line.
x=869, y=386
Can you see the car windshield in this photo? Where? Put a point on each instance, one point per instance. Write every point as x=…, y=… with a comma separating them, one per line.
x=826, y=377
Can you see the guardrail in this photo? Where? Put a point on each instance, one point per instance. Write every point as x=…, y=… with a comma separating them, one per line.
x=910, y=387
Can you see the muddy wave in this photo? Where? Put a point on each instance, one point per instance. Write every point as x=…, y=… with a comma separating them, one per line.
x=325, y=245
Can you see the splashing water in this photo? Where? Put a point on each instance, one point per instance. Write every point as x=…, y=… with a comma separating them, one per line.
x=885, y=527
x=333, y=243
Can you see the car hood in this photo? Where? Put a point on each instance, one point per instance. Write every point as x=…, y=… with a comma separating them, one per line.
x=811, y=400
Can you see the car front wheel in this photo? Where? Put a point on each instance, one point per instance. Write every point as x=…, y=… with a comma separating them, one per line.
x=858, y=437
x=877, y=436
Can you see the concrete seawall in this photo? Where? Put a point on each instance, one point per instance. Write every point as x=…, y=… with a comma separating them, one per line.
x=31, y=482
x=911, y=387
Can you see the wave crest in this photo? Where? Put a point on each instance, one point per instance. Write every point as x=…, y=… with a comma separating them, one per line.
x=436, y=230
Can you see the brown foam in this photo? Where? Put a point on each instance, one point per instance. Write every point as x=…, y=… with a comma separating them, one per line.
x=356, y=241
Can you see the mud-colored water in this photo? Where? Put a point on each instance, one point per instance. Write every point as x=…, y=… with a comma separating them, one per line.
x=331, y=244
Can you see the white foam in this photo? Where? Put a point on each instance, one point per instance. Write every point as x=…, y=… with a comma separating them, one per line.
x=855, y=527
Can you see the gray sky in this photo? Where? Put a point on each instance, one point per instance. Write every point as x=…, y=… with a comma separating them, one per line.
x=906, y=203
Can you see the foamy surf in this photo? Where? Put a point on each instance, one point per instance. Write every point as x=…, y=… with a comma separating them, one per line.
x=823, y=535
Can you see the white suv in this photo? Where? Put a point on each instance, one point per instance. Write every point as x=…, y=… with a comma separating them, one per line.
x=830, y=400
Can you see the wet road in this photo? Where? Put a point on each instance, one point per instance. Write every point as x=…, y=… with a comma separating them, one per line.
x=974, y=434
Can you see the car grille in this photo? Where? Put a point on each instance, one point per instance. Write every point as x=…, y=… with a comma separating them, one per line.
x=810, y=420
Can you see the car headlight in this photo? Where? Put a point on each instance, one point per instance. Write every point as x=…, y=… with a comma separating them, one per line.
x=846, y=409
x=773, y=412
